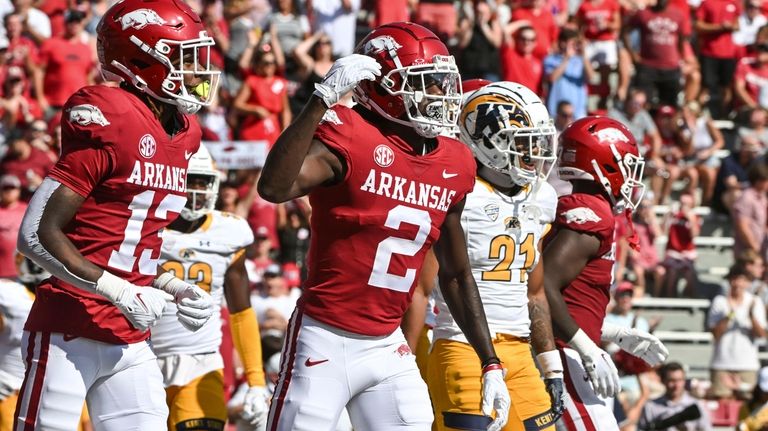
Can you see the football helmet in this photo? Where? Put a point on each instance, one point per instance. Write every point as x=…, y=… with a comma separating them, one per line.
x=413, y=61
x=29, y=273
x=158, y=46
x=603, y=150
x=202, y=185
x=469, y=86
x=509, y=131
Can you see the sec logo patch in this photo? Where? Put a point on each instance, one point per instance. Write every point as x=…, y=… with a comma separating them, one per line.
x=147, y=146
x=383, y=156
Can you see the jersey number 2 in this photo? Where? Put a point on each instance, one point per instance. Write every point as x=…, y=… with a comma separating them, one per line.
x=380, y=276
x=124, y=258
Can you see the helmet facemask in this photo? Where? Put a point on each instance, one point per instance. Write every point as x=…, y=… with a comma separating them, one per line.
x=529, y=152
x=202, y=192
x=185, y=61
x=632, y=188
x=431, y=94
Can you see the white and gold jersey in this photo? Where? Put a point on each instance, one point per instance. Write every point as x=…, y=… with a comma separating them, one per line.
x=502, y=235
x=15, y=303
x=201, y=257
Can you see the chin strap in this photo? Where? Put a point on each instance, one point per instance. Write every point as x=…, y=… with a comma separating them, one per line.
x=632, y=239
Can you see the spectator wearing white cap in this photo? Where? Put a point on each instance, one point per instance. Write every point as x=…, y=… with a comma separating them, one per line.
x=11, y=212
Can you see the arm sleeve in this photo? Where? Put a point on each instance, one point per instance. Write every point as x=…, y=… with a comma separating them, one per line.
x=759, y=311
x=247, y=340
x=29, y=243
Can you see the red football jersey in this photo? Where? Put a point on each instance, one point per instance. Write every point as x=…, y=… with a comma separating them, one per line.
x=117, y=155
x=371, y=231
x=588, y=294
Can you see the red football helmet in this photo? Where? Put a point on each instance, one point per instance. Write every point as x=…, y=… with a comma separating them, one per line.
x=413, y=62
x=154, y=45
x=469, y=86
x=603, y=150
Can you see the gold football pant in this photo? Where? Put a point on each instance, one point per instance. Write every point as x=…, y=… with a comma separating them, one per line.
x=198, y=405
x=455, y=383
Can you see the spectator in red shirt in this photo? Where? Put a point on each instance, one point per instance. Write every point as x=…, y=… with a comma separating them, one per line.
x=518, y=64
x=661, y=50
x=67, y=64
x=22, y=51
x=683, y=226
x=716, y=20
x=438, y=15
x=16, y=109
x=600, y=22
x=543, y=23
x=750, y=82
x=11, y=212
x=263, y=101
x=27, y=163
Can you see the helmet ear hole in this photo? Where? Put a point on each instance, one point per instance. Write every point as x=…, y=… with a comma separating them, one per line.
x=610, y=169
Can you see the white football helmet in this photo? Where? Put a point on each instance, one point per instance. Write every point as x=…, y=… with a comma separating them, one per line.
x=509, y=131
x=202, y=185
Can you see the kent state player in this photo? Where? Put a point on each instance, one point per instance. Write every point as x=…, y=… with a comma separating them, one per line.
x=599, y=156
x=383, y=187
x=94, y=222
x=505, y=217
x=207, y=248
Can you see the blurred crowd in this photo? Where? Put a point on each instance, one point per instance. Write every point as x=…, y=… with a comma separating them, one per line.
x=689, y=78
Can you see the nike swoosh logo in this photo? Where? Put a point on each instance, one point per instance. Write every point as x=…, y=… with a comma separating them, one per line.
x=446, y=175
x=188, y=155
x=311, y=363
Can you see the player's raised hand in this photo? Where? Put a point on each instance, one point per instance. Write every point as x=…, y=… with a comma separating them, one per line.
x=256, y=406
x=637, y=343
x=495, y=396
x=194, y=305
x=344, y=75
x=142, y=306
x=598, y=365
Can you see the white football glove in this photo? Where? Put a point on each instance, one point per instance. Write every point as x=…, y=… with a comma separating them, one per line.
x=637, y=343
x=142, y=306
x=344, y=75
x=496, y=397
x=598, y=365
x=195, y=306
x=256, y=406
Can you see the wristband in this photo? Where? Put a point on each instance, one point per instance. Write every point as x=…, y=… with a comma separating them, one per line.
x=491, y=367
x=581, y=342
x=111, y=286
x=551, y=364
x=491, y=360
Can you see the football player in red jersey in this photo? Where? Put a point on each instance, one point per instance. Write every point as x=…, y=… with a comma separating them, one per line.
x=599, y=156
x=94, y=222
x=384, y=186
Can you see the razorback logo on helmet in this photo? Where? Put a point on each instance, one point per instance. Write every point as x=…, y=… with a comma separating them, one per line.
x=581, y=215
x=141, y=18
x=611, y=134
x=87, y=114
x=381, y=43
